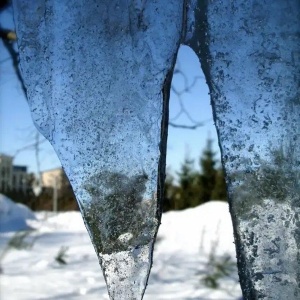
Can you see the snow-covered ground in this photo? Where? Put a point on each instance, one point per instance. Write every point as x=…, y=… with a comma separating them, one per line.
x=192, y=249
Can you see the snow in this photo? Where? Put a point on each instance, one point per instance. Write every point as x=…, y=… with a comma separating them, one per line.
x=185, y=241
x=14, y=216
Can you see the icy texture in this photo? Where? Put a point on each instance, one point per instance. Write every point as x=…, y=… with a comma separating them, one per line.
x=250, y=53
x=97, y=75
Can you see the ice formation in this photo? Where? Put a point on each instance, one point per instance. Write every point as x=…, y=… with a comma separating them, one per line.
x=98, y=75
x=249, y=52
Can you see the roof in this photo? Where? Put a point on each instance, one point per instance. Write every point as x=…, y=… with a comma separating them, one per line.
x=20, y=168
x=51, y=170
x=5, y=156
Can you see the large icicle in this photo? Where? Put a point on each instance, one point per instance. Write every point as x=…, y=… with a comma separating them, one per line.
x=250, y=54
x=97, y=75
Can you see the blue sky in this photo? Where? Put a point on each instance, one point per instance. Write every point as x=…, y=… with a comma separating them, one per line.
x=17, y=129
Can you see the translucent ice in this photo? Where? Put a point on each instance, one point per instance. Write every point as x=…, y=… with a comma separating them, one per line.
x=97, y=75
x=250, y=53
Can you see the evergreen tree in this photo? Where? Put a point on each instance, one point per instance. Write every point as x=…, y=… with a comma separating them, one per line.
x=219, y=192
x=207, y=178
x=194, y=187
x=188, y=187
x=171, y=192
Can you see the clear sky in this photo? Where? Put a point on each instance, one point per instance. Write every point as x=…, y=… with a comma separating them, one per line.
x=18, y=131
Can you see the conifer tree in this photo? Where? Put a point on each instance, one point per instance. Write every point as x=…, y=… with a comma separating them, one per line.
x=171, y=192
x=219, y=192
x=189, y=190
x=194, y=187
x=207, y=178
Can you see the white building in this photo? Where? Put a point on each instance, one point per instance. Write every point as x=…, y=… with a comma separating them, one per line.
x=12, y=177
x=6, y=172
x=16, y=177
x=52, y=178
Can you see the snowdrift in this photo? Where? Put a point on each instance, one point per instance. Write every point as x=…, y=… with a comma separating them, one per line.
x=181, y=257
x=14, y=216
x=198, y=229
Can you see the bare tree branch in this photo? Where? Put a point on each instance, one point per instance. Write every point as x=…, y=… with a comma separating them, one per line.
x=179, y=94
x=32, y=146
x=192, y=127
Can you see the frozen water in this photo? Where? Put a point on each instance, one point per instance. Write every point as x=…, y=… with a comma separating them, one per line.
x=249, y=53
x=97, y=75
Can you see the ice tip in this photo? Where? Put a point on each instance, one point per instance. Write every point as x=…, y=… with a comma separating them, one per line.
x=126, y=273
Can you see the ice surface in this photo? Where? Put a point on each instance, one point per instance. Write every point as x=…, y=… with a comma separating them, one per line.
x=249, y=52
x=97, y=76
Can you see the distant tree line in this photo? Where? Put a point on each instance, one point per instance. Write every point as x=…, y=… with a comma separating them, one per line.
x=194, y=187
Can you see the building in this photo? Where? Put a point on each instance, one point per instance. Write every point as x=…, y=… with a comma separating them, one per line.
x=20, y=179
x=6, y=172
x=16, y=178
x=52, y=178
x=12, y=178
